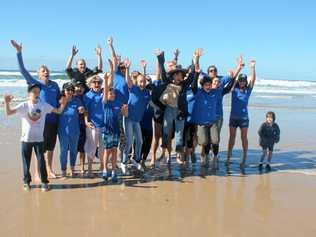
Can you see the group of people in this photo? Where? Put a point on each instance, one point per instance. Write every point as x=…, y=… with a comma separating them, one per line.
x=125, y=113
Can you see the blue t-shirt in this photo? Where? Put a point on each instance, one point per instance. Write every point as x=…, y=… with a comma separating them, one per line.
x=239, y=107
x=191, y=101
x=120, y=88
x=69, y=119
x=204, y=111
x=93, y=103
x=147, y=121
x=137, y=103
x=50, y=92
x=112, y=111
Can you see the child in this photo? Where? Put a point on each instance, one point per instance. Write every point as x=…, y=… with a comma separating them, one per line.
x=33, y=114
x=69, y=128
x=269, y=134
x=111, y=131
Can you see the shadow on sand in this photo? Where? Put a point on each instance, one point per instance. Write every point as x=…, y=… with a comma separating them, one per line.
x=282, y=162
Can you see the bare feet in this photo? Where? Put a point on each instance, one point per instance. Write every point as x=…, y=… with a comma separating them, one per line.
x=51, y=174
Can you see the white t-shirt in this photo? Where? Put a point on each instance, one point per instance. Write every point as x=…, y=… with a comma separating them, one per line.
x=33, y=120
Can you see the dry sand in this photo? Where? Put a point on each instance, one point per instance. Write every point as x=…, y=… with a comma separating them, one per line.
x=177, y=202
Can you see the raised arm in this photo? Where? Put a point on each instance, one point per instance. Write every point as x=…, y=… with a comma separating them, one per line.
x=28, y=77
x=176, y=56
x=161, y=60
x=108, y=82
x=127, y=75
x=196, y=61
x=239, y=67
x=143, y=65
x=112, y=52
x=7, y=101
x=228, y=87
x=98, y=51
x=74, y=51
x=252, y=66
x=158, y=70
x=192, y=73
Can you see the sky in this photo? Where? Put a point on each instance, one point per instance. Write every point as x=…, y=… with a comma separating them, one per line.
x=279, y=35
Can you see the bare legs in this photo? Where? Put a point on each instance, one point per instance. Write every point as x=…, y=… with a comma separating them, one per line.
x=231, y=143
x=49, y=164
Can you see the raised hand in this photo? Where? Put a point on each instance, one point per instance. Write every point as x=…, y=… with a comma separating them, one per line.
x=17, y=46
x=176, y=53
x=127, y=63
x=8, y=98
x=198, y=52
x=74, y=50
x=110, y=41
x=240, y=61
x=98, y=50
x=143, y=63
x=158, y=52
x=252, y=63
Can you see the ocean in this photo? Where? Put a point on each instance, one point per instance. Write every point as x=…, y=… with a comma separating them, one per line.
x=270, y=93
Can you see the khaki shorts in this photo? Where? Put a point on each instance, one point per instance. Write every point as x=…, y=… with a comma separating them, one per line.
x=207, y=134
x=93, y=141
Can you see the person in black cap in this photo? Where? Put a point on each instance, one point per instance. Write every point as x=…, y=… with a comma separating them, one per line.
x=69, y=128
x=79, y=92
x=239, y=112
x=171, y=98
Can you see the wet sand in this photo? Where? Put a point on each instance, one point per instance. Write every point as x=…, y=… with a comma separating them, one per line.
x=187, y=201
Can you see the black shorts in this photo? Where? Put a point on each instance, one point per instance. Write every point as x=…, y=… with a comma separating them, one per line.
x=50, y=136
x=82, y=138
x=189, y=134
x=267, y=147
x=238, y=122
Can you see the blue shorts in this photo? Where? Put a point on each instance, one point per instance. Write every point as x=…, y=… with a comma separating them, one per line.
x=238, y=122
x=110, y=140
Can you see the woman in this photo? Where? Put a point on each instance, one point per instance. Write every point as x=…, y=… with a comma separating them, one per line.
x=94, y=121
x=139, y=98
x=239, y=112
x=69, y=128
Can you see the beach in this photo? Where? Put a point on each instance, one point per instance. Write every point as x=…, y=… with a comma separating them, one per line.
x=187, y=201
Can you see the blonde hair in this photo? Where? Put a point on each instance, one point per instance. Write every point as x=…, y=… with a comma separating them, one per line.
x=93, y=78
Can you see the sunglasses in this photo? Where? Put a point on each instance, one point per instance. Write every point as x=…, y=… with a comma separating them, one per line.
x=96, y=82
x=69, y=89
x=212, y=70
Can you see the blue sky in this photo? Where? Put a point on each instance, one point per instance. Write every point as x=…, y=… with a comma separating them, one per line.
x=280, y=35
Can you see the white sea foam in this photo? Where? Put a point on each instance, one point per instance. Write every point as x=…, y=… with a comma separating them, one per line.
x=265, y=87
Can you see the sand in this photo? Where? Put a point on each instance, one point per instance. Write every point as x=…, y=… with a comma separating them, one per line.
x=187, y=201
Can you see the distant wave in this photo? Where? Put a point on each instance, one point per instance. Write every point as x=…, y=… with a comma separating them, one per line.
x=266, y=87
x=33, y=73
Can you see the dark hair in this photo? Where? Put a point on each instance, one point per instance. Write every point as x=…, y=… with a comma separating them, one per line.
x=212, y=66
x=30, y=87
x=242, y=77
x=272, y=114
